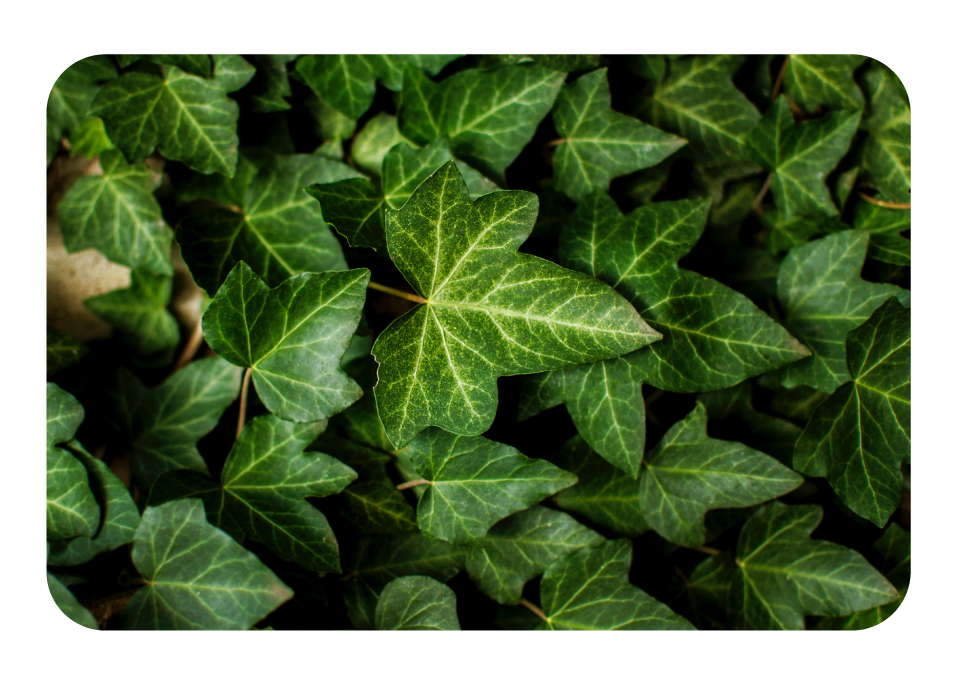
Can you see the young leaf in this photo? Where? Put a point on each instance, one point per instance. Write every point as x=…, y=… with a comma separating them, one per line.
x=783, y=575
x=860, y=435
x=589, y=590
x=488, y=310
x=813, y=80
x=71, y=98
x=62, y=351
x=599, y=142
x=520, y=547
x=197, y=576
x=90, y=139
x=489, y=116
x=885, y=227
x=139, y=312
x=71, y=508
x=263, y=489
x=416, y=603
x=886, y=160
x=475, y=482
x=823, y=295
x=117, y=214
x=188, y=118
x=292, y=337
x=801, y=157
x=374, y=140
x=67, y=603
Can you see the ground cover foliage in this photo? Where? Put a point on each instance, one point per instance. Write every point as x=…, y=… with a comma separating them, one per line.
x=486, y=342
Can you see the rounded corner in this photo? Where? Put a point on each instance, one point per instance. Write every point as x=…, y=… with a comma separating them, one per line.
x=60, y=612
x=63, y=70
x=893, y=72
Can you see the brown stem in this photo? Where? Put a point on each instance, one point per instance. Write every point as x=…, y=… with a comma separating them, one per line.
x=553, y=143
x=532, y=607
x=708, y=551
x=778, y=80
x=412, y=483
x=196, y=339
x=885, y=204
x=757, y=204
x=397, y=293
x=244, y=393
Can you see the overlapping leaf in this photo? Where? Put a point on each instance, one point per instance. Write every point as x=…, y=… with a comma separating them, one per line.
x=860, y=435
x=416, y=603
x=272, y=87
x=194, y=64
x=291, y=337
x=67, y=603
x=823, y=297
x=197, y=577
x=72, y=509
x=813, y=80
x=374, y=140
x=885, y=227
x=886, y=160
x=139, y=312
x=783, y=574
x=71, y=98
x=488, y=310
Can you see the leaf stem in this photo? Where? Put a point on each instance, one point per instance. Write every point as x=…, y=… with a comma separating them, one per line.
x=532, y=607
x=708, y=551
x=189, y=351
x=244, y=393
x=553, y=143
x=398, y=293
x=757, y=204
x=412, y=483
x=885, y=204
x=778, y=80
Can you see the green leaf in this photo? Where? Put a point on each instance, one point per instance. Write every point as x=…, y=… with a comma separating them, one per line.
x=90, y=139
x=292, y=337
x=374, y=140
x=886, y=160
x=117, y=214
x=263, y=489
x=797, y=403
x=813, y=80
x=188, y=118
x=708, y=588
x=801, y=157
x=139, y=312
x=71, y=98
x=197, y=576
x=860, y=435
x=599, y=142
x=62, y=351
x=375, y=507
x=589, y=590
x=276, y=229
x=330, y=124
x=688, y=473
x=273, y=89
x=64, y=415
x=163, y=424
x=416, y=603
x=72, y=509
x=194, y=64
x=376, y=560
x=783, y=574
x=823, y=297
x=489, y=310
x=885, y=227
x=786, y=233
x=698, y=101
x=67, y=603
x=489, y=116
x=475, y=482
x=520, y=547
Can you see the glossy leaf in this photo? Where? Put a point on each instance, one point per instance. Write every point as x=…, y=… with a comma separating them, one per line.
x=783, y=574
x=374, y=140
x=197, y=576
x=589, y=590
x=886, y=160
x=62, y=351
x=416, y=603
x=72, y=509
x=814, y=80
x=860, y=435
x=823, y=297
x=67, y=603
x=139, y=312
x=71, y=98
x=490, y=311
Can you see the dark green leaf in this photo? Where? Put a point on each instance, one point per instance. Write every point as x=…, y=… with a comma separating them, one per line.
x=885, y=227
x=139, y=312
x=887, y=154
x=416, y=603
x=194, y=64
x=67, y=603
x=813, y=80
x=71, y=98
x=62, y=351
x=273, y=89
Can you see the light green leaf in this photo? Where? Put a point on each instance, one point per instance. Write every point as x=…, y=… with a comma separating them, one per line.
x=813, y=80
x=139, y=312
x=117, y=214
x=292, y=337
x=233, y=72
x=62, y=351
x=589, y=590
x=330, y=124
x=197, y=576
x=90, y=139
x=801, y=157
x=783, y=574
x=71, y=98
x=520, y=547
x=64, y=415
x=860, y=435
x=885, y=227
x=67, y=603
x=373, y=141
x=823, y=297
x=263, y=489
x=489, y=116
x=489, y=310
x=163, y=424
x=475, y=482
x=416, y=603
x=277, y=229
x=273, y=89
x=886, y=161
x=71, y=508
x=188, y=118
x=599, y=142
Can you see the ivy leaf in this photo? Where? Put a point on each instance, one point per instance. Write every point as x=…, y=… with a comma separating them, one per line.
x=801, y=157
x=263, y=489
x=784, y=575
x=589, y=590
x=292, y=337
x=813, y=80
x=376, y=560
x=698, y=101
x=188, y=118
x=708, y=589
x=885, y=227
x=197, y=576
x=489, y=116
x=71, y=508
x=117, y=214
x=886, y=160
x=475, y=482
x=71, y=98
x=194, y=64
x=797, y=403
x=90, y=139
x=823, y=297
x=520, y=547
x=599, y=142
x=67, y=603
x=786, y=233
x=163, y=424
x=276, y=229
x=374, y=140
x=416, y=603
x=273, y=89
x=139, y=312
x=62, y=351
x=524, y=313
x=860, y=435
x=688, y=473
